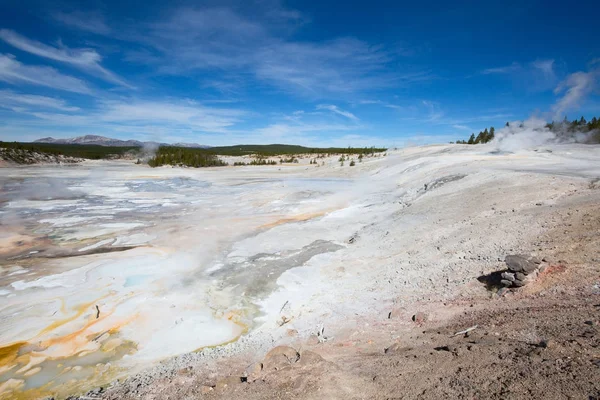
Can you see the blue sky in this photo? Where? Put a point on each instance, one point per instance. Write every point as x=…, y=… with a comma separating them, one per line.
x=316, y=73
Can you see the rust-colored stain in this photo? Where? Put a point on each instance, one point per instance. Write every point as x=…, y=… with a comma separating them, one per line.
x=80, y=310
x=296, y=218
x=8, y=354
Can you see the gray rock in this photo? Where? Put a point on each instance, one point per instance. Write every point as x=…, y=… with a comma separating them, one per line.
x=518, y=263
x=529, y=268
x=509, y=276
x=506, y=283
x=518, y=283
x=520, y=276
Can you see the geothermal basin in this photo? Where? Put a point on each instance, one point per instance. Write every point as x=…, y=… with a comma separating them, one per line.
x=108, y=268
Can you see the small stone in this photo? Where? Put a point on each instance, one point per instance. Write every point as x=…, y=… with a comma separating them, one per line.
x=254, y=371
x=420, y=317
x=394, y=348
x=535, y=260
x=518, y=283
x=206, y=389
x=547, y=344
x=543, y=267
x=590, y=323
x=509, y=276
x=506, y=283
x=309, y=358
x=229, y=381
x=520, y=276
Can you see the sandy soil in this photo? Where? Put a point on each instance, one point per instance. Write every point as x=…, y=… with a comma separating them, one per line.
x=358, y=253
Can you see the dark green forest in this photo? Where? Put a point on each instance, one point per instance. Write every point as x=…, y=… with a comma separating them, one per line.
x=209, y=157
x=270, y=150
x=193, y=157
x=167, y=155
x=92, y=152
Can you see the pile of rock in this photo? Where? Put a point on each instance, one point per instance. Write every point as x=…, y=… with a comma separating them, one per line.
x=521, y=270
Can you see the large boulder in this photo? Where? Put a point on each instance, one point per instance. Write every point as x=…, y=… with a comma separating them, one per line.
x=517, y=263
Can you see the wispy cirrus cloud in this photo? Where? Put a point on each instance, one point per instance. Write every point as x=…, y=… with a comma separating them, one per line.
x=88, y=21
x=434, y=113
x=87, y=60
x=175, y=120
x=538, y=75
x=188, y=114
x=502, y=70
x=14, y=72
x=337, y=110
x=462, y=127
x=129, y=113
x=219, y=39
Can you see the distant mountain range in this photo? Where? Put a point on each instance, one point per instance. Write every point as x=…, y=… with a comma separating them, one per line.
x=109, y=142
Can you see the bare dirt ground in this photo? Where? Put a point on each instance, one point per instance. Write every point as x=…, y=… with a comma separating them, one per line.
x=540, y=341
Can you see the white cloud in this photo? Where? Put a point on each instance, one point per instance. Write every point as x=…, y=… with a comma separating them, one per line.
x=221, y=39
x=12, y=100
x=188, y=115
x=87, y=60
x=535, y=76
x=545, y=66
x=85, y=21
x=434, y=112
x=502, y=70
x=337, y=110
x=133, y=115
x=14, y=72
x=395, y=107
x=462, y=127
x=577, y=87
x=368, y=102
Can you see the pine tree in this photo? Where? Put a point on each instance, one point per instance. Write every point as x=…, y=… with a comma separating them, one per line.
x=471, y=139
x=484, y=136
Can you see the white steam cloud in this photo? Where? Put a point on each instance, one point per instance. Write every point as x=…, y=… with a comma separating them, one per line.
x=534, y=132
x=577, y=86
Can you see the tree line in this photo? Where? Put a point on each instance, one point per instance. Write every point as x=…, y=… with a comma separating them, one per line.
x=88, y=151
x=183, y=156
x=562, y=128
x=483, y=137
